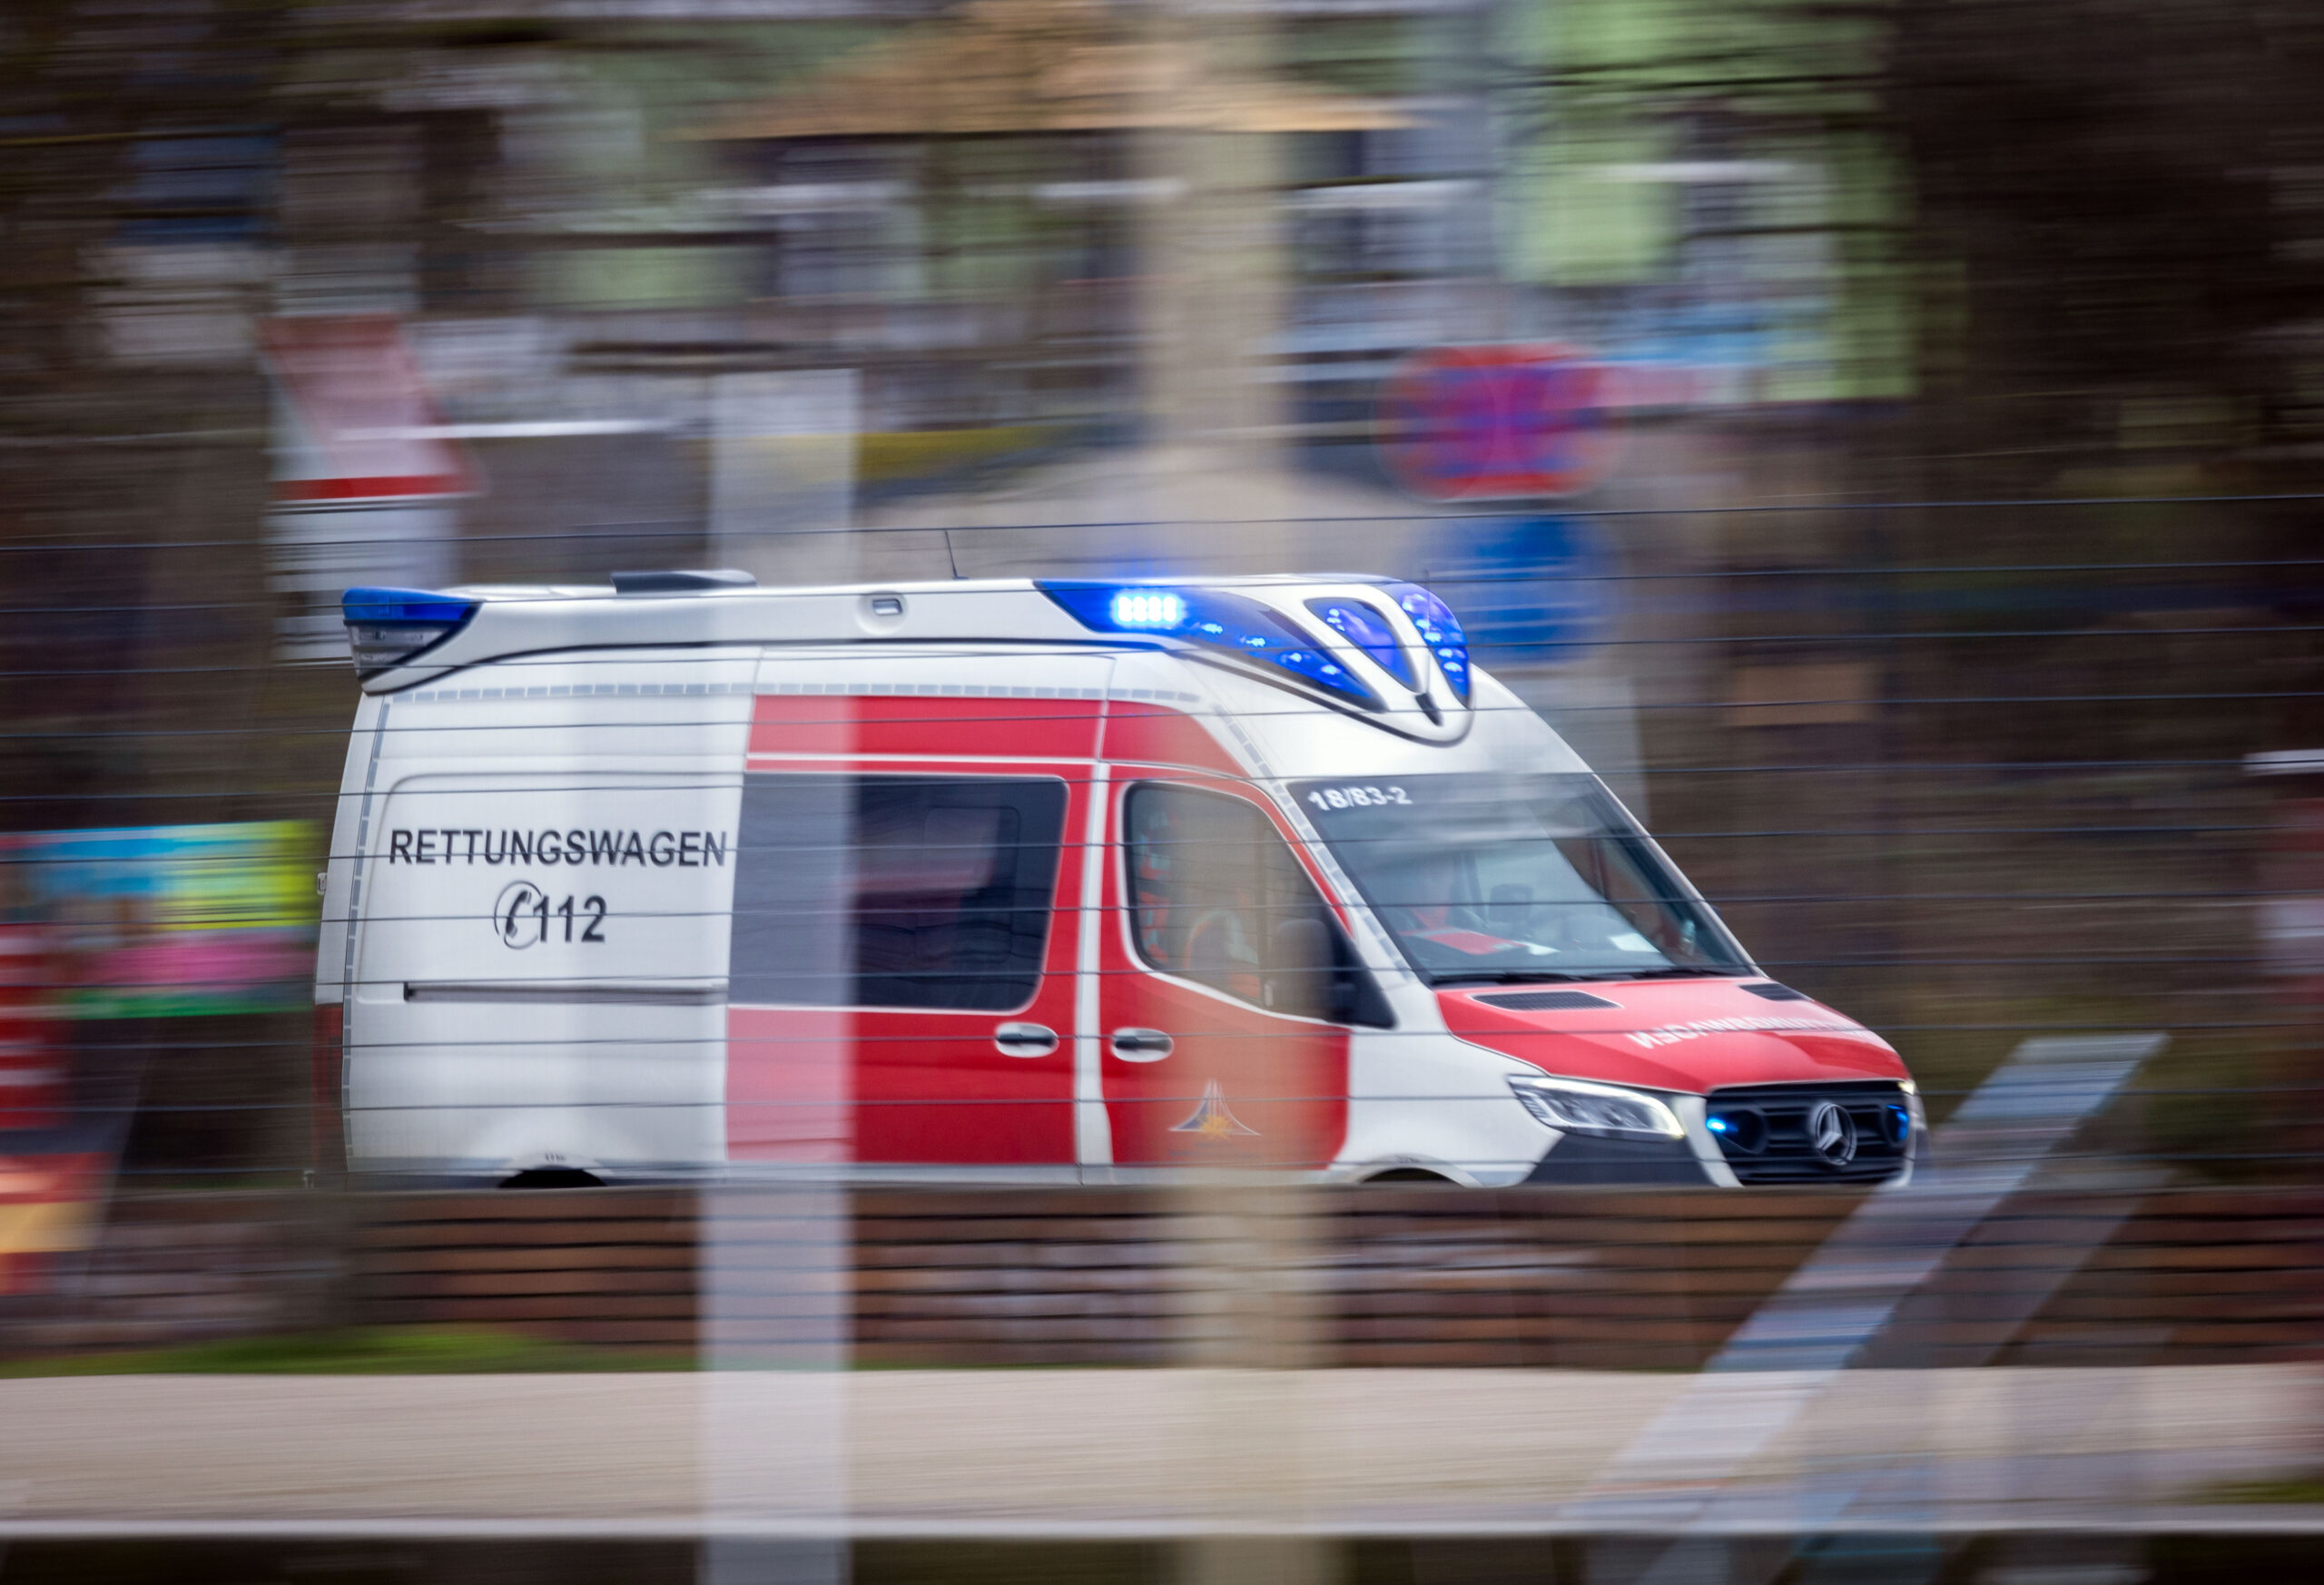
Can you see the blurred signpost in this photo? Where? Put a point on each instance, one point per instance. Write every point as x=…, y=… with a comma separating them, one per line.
x=1529, y=591
x=1498, y=423
x=364, y=475
x=1537, y=596
x=1534, y=421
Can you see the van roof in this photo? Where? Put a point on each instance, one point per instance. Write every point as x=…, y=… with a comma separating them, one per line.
x=1358, y=642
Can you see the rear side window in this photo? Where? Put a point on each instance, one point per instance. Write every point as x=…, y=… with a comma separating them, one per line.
x=898, y=892
x=1216, y=896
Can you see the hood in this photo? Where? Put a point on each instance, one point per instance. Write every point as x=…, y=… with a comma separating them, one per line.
x=1687, y=1035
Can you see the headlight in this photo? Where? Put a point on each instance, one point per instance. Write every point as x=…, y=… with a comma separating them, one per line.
x=1578, y=1108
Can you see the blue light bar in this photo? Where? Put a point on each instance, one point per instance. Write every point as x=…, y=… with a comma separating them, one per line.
x=387, y=627
x=422, y=605
x=1366, y=627
x=1160, y=610
x=1214, y=619
x=1440, y=630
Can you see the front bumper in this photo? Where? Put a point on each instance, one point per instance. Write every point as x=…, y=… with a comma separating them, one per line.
x=1883, y=1116
x=1582, y=1158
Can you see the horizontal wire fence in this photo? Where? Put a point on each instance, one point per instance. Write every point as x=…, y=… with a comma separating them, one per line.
x=2051, y=830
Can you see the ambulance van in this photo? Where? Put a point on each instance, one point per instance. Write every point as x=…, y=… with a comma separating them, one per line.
x=1025, y=880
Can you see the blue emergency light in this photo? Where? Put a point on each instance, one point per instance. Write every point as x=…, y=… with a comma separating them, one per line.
x=1364, y=625
x=1212, y=618
x=387, y=627
x=1159, y=610
x=1440, y=630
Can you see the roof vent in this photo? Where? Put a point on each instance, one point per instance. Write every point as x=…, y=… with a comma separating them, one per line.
x=688, y=582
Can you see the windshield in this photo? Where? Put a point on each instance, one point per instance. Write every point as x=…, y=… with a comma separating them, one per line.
x=1484, y=877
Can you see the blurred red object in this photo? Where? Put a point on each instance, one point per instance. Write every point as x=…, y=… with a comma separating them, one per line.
x=1496, y=423
x=33, y=1069
x=47, y=1207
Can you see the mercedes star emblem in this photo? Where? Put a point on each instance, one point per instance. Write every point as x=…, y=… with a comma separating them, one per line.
x=1831, y=1132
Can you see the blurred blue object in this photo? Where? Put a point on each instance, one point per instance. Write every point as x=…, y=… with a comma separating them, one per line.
x=1531, y=591
x=1212, y=618
x=1364, y=628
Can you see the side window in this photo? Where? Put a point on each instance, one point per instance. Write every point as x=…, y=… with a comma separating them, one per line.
x=902, y=892
x=1217, y=897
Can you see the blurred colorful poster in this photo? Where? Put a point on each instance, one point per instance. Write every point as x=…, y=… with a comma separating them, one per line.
x=171, y=921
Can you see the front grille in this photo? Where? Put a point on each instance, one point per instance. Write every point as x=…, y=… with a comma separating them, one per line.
x=1766, y=1134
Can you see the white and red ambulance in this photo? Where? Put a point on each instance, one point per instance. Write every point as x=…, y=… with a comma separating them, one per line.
x=1026, y=879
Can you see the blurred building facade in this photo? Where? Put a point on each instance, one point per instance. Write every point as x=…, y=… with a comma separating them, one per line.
x=589, y=212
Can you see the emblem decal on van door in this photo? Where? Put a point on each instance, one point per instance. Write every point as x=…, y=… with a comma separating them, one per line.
x=1211, y=1119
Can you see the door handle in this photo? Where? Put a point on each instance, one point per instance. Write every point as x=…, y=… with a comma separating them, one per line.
x=1141, y=1045
x=1025, y=1039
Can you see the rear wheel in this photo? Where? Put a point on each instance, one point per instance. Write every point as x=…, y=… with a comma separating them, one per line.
x=552, y=1177
x=1408, y=1175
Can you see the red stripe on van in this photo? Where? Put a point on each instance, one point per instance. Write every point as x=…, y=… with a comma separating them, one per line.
x=1149, y=735
x=394, y=487
x=789, y=1076
x=824, y=724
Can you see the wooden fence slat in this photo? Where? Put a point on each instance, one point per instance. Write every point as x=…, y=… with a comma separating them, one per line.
x=1403, y=1275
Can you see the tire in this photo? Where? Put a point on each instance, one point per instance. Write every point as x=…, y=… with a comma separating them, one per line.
x=553, y=1177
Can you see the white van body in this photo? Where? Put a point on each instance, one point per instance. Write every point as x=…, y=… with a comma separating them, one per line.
x=1025, y=881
